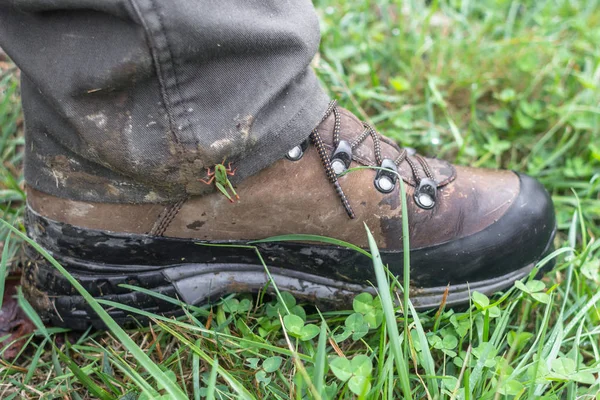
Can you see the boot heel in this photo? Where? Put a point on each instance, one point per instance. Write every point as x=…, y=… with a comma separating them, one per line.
x=60, y=304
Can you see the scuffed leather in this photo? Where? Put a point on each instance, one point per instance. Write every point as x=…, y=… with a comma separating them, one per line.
x=129, y=218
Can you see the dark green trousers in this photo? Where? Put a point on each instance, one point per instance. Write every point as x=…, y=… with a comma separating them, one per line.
x=130, y=100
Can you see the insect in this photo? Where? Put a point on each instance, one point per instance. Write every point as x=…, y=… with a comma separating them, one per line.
x=220, y=176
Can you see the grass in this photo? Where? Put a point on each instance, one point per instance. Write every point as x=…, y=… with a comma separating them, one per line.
x=511, y=84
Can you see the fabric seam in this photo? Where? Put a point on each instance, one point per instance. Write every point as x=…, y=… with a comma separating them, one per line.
x=297, y=116
x=159, y=72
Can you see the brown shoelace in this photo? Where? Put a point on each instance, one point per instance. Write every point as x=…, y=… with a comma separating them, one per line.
x=369, y=131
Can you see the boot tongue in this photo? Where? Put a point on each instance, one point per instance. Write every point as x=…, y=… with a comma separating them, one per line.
x=351, y=127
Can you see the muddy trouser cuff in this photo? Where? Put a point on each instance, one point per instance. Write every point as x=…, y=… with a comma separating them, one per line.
x=131, y=101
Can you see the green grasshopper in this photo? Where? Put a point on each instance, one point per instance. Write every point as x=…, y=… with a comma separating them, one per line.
x=219, y=176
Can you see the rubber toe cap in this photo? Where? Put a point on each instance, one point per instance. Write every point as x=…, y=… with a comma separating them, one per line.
x=532, y=214
x=519, y=238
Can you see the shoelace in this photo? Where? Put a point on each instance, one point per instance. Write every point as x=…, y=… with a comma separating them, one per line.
x=369, y=131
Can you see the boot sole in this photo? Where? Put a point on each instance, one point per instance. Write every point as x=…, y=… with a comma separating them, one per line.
x=199, y=283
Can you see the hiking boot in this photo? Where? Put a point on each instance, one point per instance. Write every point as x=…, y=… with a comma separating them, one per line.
x=470, y=229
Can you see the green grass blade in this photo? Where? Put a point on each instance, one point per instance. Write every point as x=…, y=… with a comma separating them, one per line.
x=241, y=391
x=145, y=361
x=312, y=238
x=196, y=373
x=240, y=341
x=3, y=264
x=391, y=323
x=135, y=377
x=85, y=380
x=212, y=380
x=406, y=264
x=34, y=361
x=427, y=358
x=320, y=359
x=83, y=377
x=199, y=310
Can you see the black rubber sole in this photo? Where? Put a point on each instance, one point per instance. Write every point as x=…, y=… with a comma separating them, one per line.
x=59, y=303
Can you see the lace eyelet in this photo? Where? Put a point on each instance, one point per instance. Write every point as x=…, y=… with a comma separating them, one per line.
x=296, y=152
x=342, y=157
x=385, y=180
x=425, y=194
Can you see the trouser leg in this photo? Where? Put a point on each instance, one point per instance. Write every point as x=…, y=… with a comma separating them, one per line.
x=130, y=101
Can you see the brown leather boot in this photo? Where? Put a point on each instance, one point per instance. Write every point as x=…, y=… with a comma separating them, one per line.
x=471, y=229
